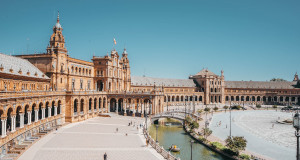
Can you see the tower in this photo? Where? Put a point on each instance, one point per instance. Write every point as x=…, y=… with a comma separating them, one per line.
x=57, y=49
x=296, y=78
x=57, y=40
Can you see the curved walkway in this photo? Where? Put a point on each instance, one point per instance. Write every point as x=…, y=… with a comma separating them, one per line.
x=90, y=139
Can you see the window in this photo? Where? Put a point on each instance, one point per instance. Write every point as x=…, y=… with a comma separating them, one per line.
x=89, y=85
x=81, y=84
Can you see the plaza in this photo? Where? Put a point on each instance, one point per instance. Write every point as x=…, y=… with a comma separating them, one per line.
x=264, y=135
x=89, y=140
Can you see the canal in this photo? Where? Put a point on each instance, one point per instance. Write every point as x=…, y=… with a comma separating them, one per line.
x=174, y=134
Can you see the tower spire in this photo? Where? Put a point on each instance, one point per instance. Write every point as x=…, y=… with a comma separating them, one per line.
x=57, y=16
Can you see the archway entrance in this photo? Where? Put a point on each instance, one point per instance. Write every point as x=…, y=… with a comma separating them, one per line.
x=113, y=105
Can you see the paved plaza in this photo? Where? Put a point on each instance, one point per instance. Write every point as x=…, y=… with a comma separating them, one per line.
x=90, y=139
x=264, y=135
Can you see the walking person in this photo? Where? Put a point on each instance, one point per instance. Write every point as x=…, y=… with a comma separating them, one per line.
x=105, y=156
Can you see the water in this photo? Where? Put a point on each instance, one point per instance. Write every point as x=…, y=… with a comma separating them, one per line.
x=174, y=134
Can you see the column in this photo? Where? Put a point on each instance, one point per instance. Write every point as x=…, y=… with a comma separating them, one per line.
x=125, y=113
x=108, y=107
x=43, y=113
x=13, y=123
x=55, y=110
x=21, y=120
x=49, y=111
x=117, y=106
x=101, y=105
x=29, y=117
x=36, y=115
x=3, y=131
x=142, y=109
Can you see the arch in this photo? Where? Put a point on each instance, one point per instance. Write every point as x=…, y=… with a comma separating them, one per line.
x=253, y=98
x=169, y=98
x=275, y=99
x=95, y=103
x=46, y=110
x=33, y=108
x=40, y=110
x=177, y=98
x=1, y=115
x=113, y=103
x=100, y=85
x=75, y=105
x=247, y=98
x=227, y=98
x=18, y=111
x=191, y=98
x=243, y=98
x=59, y=107
x=258, y=98
x=90, y=104
x=8, y=115
x=200, y=98
x=232, y=98
x=104, y=103
x=281, y=99
x=120, y=105
x=269, y=99
x=26, y=109
x=264, y=99
x=181, y=98
x=81, y=105
x=287, y=99
x=52, y=108
x=237, y=98
x=196, y=98
x=173, y=98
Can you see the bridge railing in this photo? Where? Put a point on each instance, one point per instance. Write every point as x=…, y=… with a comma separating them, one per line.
x=166, y=154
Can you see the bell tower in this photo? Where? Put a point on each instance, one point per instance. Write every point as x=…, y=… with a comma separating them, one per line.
x=57, y=40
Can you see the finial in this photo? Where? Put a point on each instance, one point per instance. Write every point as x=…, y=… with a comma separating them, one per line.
x=57, y=16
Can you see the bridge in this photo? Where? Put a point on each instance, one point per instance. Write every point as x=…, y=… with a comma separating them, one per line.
x=175, y=114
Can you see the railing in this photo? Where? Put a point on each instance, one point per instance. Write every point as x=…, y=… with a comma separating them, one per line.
x=30, y=93
x=167, y=155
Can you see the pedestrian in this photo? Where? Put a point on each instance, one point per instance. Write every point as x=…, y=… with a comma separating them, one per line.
x=117, y=129
x=105, y=156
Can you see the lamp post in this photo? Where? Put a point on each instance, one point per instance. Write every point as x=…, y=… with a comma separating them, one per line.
x=296, y=124
x=156, y=133
x=230, y=119
x=192, y=149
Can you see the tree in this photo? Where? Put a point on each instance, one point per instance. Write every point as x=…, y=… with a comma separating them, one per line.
x=258, y=106
x=188, y=120
x=216, y=108
x=206, y=109
x=194, y=125
x=236, y=143
x=200, y=111
x=206, y=132
x=225, y=107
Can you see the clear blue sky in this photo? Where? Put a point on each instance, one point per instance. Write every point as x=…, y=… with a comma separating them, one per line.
x=248, y=39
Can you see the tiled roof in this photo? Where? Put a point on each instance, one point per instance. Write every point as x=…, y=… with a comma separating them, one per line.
x=261, y=84
x=148, y=81
x=13, y=65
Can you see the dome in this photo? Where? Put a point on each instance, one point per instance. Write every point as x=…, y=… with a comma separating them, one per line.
x=57, y=25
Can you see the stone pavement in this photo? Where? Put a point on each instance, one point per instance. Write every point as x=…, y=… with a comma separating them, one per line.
x=90, y=139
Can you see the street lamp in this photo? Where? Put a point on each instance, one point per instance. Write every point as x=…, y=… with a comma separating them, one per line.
x=156, y=133
x=296, y=124
x=230, y=119
x=192, y=149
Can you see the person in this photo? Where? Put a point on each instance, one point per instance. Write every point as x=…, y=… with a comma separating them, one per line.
x=117, y=129
x=105, y=156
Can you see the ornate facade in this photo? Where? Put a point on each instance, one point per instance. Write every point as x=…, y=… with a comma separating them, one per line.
x=38, y=89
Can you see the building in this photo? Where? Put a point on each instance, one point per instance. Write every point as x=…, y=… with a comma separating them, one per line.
x=43, y=90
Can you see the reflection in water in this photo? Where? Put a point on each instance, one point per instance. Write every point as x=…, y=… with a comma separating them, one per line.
x=174, y=134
